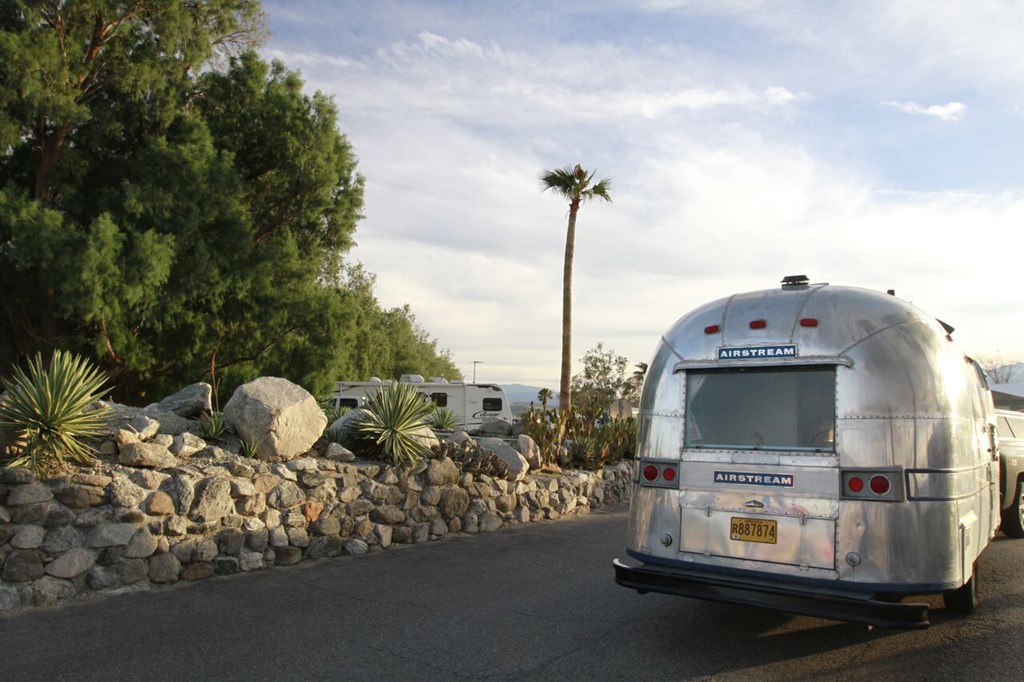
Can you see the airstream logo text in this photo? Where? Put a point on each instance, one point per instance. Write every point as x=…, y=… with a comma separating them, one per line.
x=775, y=480
x=746, y=352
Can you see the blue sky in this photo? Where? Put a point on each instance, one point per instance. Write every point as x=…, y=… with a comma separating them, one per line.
x=871, y=144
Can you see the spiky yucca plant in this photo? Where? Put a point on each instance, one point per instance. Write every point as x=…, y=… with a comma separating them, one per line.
x=248, y=448
x=391, y=422
x=213, y=425
x=47, y=406
x=444, y=419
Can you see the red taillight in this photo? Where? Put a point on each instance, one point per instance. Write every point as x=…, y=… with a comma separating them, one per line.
x=658, y=474
x=758, y=324
x=877, y=485
x=808, y=322
x=712, y=329
x=880, y=485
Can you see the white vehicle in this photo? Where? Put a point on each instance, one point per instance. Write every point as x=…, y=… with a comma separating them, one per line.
x=814, y=449
x=472, y=403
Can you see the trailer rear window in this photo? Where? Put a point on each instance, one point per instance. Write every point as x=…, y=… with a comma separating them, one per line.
x=761, y=409
x=492, y=404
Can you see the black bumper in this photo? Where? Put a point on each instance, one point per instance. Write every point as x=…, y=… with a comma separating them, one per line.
x=829, y=604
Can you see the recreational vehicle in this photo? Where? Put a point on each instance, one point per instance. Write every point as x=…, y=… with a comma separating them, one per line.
x=813, y=449
x=1010, y=429
x=472, y=403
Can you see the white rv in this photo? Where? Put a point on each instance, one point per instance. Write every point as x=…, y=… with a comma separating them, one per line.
x=471, y=402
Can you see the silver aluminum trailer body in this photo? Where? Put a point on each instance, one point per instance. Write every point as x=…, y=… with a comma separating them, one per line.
x=815, y=449
x=472, y=403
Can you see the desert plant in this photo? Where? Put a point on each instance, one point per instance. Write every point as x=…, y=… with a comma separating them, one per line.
x=213, y=425
x=337, y=434
x=49, y=408
x=391, y=423
x=332, y=412
x=248, y=448
x=444, y=419
x=594, y=445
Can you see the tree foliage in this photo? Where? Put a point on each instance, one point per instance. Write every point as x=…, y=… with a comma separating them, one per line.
x=602, y=381
x=169, y=201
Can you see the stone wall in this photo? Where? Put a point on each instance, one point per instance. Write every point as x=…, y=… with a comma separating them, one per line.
x=115, y=527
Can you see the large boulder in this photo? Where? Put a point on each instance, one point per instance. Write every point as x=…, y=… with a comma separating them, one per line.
x=529, y=449
x=121, y=416
x=517, y=464
x=280, y=418
x=190, y=401
x=492, y=426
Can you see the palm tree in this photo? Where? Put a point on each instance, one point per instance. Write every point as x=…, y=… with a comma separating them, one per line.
x=635, y=383
x=575, y=185
x=544, y=395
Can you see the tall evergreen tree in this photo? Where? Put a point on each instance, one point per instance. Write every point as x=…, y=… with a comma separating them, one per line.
x=169, y=201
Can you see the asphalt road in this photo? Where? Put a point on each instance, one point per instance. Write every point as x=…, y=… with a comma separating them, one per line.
x=530, y=603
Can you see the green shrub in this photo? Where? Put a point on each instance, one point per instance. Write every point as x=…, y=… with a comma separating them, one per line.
x=247, y=449
x=593, y=445
x=336, y=434
x=213, y=425
x=390, y=424
x=48, y=408
x=332, y=413
x=444, y=419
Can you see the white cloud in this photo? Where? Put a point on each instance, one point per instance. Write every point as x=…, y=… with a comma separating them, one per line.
x=953, y=111
x=721, y=181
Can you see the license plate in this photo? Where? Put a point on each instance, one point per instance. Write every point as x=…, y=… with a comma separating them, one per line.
x=753, y=530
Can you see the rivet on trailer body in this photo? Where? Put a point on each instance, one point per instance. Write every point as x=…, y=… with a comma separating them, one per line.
x=853, y=559
x=666, y=540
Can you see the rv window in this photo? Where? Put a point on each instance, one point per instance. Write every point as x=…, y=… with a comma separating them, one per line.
x=492, y=404
x=348, y=402
x=755, y=409
x=439, y=399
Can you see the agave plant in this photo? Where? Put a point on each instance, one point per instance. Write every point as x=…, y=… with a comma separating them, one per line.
x=392, y=423
x=248, y=448
x=213, y=425
x=444, y=419
x=48, y=408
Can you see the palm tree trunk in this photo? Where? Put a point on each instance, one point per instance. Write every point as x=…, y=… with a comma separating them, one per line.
x=565, y=382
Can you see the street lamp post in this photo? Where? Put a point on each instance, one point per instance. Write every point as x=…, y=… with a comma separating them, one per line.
x=475, y=363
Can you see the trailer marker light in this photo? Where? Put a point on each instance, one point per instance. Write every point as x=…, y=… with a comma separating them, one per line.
x=856, y=484
x=880, y=484
x=650, y=473
x=669, y=474
x=712, y=329
x=808, y=322
x=758, y=324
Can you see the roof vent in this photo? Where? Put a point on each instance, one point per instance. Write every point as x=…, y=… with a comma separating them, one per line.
x=795, y=281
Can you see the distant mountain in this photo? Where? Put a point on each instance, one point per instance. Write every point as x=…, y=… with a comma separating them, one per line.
x=519, y=393
x=1007, y=374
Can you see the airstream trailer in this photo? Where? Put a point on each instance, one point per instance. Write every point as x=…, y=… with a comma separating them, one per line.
x=813, y=449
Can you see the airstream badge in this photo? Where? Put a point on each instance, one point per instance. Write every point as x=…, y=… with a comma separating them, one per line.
x=747, y=352
x=775, y=480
